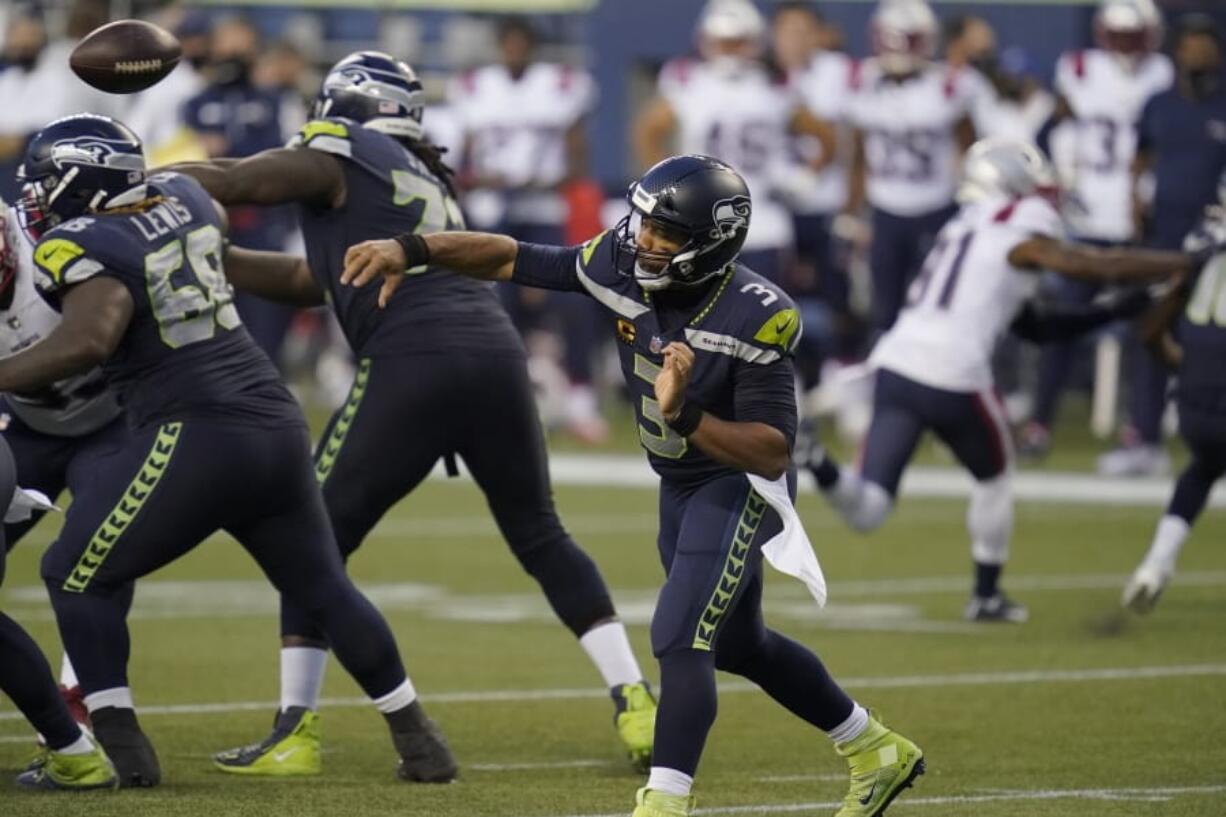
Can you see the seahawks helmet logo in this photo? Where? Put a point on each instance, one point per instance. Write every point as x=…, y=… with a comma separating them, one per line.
x=730, y=216
x=98, y=152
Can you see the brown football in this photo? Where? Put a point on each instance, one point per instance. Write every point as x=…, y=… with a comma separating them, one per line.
x=125, y=56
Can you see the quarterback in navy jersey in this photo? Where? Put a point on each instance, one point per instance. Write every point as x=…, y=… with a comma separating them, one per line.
x=363, y=169
x=136, y=263
x=706, y=347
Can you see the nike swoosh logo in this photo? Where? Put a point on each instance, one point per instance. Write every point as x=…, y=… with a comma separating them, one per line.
x=281, y=756
x=866, y=799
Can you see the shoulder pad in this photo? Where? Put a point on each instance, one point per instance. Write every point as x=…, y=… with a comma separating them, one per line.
x=327, y=135
x=61, y=261
x=588, y=249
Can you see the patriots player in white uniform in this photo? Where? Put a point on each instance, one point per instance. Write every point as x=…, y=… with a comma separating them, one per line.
x=1102, y=92
x=522, y=124
x=912, y=121
x=934, y=365
x=729, y=106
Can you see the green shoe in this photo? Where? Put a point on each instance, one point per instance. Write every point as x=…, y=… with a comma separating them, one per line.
x=38, y=758
x=61, y=772
x=648, y=803
x=292, y=750
x=636, y=721
x=883, y=763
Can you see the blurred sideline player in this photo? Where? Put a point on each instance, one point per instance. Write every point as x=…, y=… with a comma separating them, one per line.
x=74, y=760
x=1102, y=92
x=432, y=368
x=523, y=123
x=1196, y=350
x=818, y=281
x=136, y=264
x=934, y=365
x=705, y=347
x=728, y=105
x=912, y=121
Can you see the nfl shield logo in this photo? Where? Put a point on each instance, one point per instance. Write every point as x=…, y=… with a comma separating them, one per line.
x=657, y=344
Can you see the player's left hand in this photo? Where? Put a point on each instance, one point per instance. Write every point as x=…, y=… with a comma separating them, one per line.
x=672, y=380
x=371, y=259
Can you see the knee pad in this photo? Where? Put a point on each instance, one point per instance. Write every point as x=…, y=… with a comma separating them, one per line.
x=989, y=518
x=863, y=505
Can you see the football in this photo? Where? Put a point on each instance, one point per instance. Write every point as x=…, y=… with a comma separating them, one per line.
x=125, y=56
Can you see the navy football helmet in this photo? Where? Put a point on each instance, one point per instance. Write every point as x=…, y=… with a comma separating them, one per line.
x=700, y=198
x=375, y=89
x=76, y=165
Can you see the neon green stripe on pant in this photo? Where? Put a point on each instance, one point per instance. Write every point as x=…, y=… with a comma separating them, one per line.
x=331, y=447
x=734, y=572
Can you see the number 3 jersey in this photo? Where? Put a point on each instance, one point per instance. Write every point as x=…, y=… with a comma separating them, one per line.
x=966, y=295
x=185, y=354
x=742, y=329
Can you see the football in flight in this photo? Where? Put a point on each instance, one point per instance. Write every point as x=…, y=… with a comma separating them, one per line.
x=125, y=56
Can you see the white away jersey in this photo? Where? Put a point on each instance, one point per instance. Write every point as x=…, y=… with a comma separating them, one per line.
x=516, y=128
x=72, y=407
x=1107, y=100
x=825, y=88
x=966, y=295
x=740, y=117
x=909, y=134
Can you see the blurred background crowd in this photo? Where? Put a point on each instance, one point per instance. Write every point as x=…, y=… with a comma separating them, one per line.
x=549, y=107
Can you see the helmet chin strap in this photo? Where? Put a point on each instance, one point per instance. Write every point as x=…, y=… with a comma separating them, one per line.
x=651, y=281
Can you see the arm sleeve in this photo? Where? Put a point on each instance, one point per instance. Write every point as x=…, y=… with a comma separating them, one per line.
x=1061, y=322
x=547, y=267
x=767, y=394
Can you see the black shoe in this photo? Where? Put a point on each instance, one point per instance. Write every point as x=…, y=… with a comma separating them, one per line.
x=424, y=754
x=135, y=760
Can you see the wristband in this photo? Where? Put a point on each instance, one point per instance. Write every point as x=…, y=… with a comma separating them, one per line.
x=416, y=250
x=687, y=420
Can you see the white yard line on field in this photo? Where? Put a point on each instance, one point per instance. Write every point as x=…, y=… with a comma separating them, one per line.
x=1037, y=676
x=1146, y=795
x=522, y=767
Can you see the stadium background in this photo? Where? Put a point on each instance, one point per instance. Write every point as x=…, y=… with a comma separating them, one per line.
x=1082, y=711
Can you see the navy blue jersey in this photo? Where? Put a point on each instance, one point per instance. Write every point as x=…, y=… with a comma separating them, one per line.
x=1202, y=329
x=743, y=330
x=185, y=353
x=390, y=191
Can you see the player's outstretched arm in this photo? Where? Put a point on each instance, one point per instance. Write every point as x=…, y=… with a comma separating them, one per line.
x=486, y=256
x=1154, y=327
x=96, y=313
x=1102, y=266
x=277, y=176
x=276, y=276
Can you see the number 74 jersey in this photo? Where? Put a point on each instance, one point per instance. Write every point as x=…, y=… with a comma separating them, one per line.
x=966, y=295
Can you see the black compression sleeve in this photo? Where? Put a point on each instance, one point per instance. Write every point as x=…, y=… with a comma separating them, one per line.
x=767, y=394
x=547, y=267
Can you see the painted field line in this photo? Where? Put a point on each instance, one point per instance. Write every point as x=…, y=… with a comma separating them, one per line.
x=1146, y=795
x=522, y=767
x=1062, y=487
x=734, y=687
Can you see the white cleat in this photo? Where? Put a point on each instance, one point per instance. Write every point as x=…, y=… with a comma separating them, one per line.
x=1135, y=461
x=1143, y=589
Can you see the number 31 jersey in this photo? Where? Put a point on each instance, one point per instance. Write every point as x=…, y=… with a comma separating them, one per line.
x=966, y=295
x=186, y=353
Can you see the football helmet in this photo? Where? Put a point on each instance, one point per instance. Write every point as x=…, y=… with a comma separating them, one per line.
x=1005, y=168
x=375, y=89
x=731, y=35
x=78, y=164
x=904, y=35
x=1129, y=28
x=700, y=198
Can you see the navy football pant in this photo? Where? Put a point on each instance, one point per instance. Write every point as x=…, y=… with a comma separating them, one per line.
x=709, y=616
x=166, y=490
x=1204, y=430
x=899, y=246
x=973, y=425
x=402, y=415
x=25, y=676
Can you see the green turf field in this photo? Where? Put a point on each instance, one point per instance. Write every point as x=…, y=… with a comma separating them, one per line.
x=1079, y=712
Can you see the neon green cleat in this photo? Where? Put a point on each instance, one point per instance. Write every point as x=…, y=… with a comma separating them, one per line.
x=883, y=763
x=648, y=803
x=61, y=772
x=635, y=720
x=292, y=750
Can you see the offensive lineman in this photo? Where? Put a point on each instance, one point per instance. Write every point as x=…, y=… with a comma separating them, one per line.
x=934, y=365
x=362, y=168
x=705, y=347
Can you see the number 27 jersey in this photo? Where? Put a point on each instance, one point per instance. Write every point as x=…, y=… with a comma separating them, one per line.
x=966, y=295
x=185, y=353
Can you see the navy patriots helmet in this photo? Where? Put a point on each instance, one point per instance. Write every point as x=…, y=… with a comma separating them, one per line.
x=700, y=198
x=77, y=165
x=375, y=89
